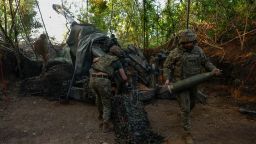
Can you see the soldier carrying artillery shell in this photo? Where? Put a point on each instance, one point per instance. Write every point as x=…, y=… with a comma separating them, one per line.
x=183, y=62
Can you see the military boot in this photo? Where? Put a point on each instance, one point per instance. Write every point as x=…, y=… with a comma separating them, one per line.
x=188, y=138
x=107, y=127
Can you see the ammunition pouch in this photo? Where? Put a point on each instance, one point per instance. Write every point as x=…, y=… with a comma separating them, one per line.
x=191, y=64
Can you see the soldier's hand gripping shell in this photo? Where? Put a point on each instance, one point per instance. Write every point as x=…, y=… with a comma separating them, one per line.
x=216, y=71
x=168, y=82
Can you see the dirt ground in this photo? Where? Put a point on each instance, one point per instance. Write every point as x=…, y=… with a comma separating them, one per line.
x=35, y=120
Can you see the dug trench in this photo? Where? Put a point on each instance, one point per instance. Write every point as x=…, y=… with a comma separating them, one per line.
x=37, y=120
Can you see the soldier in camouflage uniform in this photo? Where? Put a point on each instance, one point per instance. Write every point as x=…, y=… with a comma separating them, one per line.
x=102, y=72
x=184, y=61
x=41, y=49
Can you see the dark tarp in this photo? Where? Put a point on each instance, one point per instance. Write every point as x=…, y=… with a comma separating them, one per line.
x=80, y=42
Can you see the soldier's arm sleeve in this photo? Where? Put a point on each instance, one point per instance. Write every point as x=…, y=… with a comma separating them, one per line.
x=206, y=62
x=167, y=66
x=117, y=65
x=120, y=69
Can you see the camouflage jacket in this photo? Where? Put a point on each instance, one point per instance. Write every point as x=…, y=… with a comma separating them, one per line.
x=104, y=64
x=181, y=64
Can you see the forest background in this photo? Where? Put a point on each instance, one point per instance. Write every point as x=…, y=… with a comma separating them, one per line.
x=145, y=23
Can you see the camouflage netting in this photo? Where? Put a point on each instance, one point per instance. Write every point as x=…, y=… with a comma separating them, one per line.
x=54, y=83
x=81, y=91
x=131, y=123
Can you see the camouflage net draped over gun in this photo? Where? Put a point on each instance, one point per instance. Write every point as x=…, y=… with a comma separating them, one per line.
x=53, y=84
x=131, y=123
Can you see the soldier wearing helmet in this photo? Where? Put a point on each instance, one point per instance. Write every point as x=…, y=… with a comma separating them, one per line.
x=102, y=72
x=186, y=60
x=41, y=49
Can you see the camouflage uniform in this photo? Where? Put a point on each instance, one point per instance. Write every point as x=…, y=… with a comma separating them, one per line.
x=101, y=86
x=41, y=49
x=181, y=64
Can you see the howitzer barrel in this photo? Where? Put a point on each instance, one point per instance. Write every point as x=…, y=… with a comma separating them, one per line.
x=189, y=82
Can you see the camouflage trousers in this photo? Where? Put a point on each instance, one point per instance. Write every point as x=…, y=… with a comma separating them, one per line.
x=187, y=101
x=101, y=87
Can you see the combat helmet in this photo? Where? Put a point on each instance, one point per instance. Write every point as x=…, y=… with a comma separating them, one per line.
x=185, y=36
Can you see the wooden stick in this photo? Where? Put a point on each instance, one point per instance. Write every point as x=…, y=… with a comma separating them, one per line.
x=238, y=37
x=245, y=28
x=215, y=46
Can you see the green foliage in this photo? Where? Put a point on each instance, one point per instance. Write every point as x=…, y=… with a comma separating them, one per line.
x=146, y=22
x=100, y=12
x=16, y=19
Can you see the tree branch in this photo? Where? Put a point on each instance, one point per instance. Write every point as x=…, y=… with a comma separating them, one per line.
x=5, y=16
x=238, y=37
x=13, y=14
